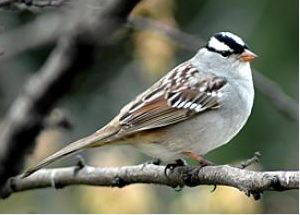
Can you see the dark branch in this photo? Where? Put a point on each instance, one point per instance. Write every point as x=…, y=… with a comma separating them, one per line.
x=250, y=182
x=73, y=54
x=6, y=2
x=30, y=4
x=277, y=97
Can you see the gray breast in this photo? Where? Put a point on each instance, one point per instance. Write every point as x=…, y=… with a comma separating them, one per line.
x=212, y=128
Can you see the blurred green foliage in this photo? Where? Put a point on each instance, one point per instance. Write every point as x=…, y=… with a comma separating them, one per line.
x=271, y=30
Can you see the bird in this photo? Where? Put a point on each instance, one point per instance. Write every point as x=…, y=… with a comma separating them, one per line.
x=193, y=109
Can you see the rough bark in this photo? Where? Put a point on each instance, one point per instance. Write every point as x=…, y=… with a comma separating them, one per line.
x=251, y=182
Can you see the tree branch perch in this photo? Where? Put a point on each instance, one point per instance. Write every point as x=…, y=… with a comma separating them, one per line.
x=250, y=182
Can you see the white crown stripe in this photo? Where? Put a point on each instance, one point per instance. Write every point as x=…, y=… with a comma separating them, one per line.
x=218, y=45
x=234, y=37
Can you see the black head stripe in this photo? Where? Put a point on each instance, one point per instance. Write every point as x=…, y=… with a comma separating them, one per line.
x=234, y=45
x=223, y=53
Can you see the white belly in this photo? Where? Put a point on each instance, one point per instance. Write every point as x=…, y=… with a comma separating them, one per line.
x=202, y=133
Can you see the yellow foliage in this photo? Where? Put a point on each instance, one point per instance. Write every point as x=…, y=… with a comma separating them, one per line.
x=153, y=50
x=130, y=199
x=47, y=143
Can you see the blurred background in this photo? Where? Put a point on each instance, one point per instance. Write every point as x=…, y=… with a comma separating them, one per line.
x=271, y=30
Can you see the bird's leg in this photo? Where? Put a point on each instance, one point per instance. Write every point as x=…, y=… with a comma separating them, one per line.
x=199, y=158
x=187, y=178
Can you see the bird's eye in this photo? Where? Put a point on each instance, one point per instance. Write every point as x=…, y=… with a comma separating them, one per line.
x=225, y=54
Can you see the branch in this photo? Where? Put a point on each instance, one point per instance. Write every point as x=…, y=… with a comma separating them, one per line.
x=283, y=103
x=45, y=29
x=30, y=4
x=250, y=182
x=280, y=100
x=73, y=54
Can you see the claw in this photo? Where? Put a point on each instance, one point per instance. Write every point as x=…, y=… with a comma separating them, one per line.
x=172, y=166
x=119, y=182
x=80, y=164
x=214, y=189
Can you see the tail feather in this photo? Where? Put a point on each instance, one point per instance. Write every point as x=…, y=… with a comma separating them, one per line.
x=70, y=149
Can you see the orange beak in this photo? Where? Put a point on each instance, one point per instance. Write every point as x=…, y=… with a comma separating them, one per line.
x=247, y=56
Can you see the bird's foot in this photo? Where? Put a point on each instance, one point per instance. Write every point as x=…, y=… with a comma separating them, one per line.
x=172, y=166
x=188, y=177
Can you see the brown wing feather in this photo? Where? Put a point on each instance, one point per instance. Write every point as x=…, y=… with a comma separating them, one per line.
x=179, y=95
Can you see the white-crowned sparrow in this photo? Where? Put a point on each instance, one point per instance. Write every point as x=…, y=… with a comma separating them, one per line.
x=196, y=107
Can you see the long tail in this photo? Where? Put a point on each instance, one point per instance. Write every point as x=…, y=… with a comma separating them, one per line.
x=70, y=149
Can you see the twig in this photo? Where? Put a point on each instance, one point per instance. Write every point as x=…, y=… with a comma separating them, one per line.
x=280, y=100
x=46, y=29
x=250, y=161
x=250, y=182
x=283, y=103
x=28, y=4
x=6, y=2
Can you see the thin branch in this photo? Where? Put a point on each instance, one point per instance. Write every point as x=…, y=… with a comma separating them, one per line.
x=250, y=161
x=73, y=54
x=46, y=29
x=280, y=100
x=250, y=182
x=30, y=4
x=6, y=2
x=277, y=97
